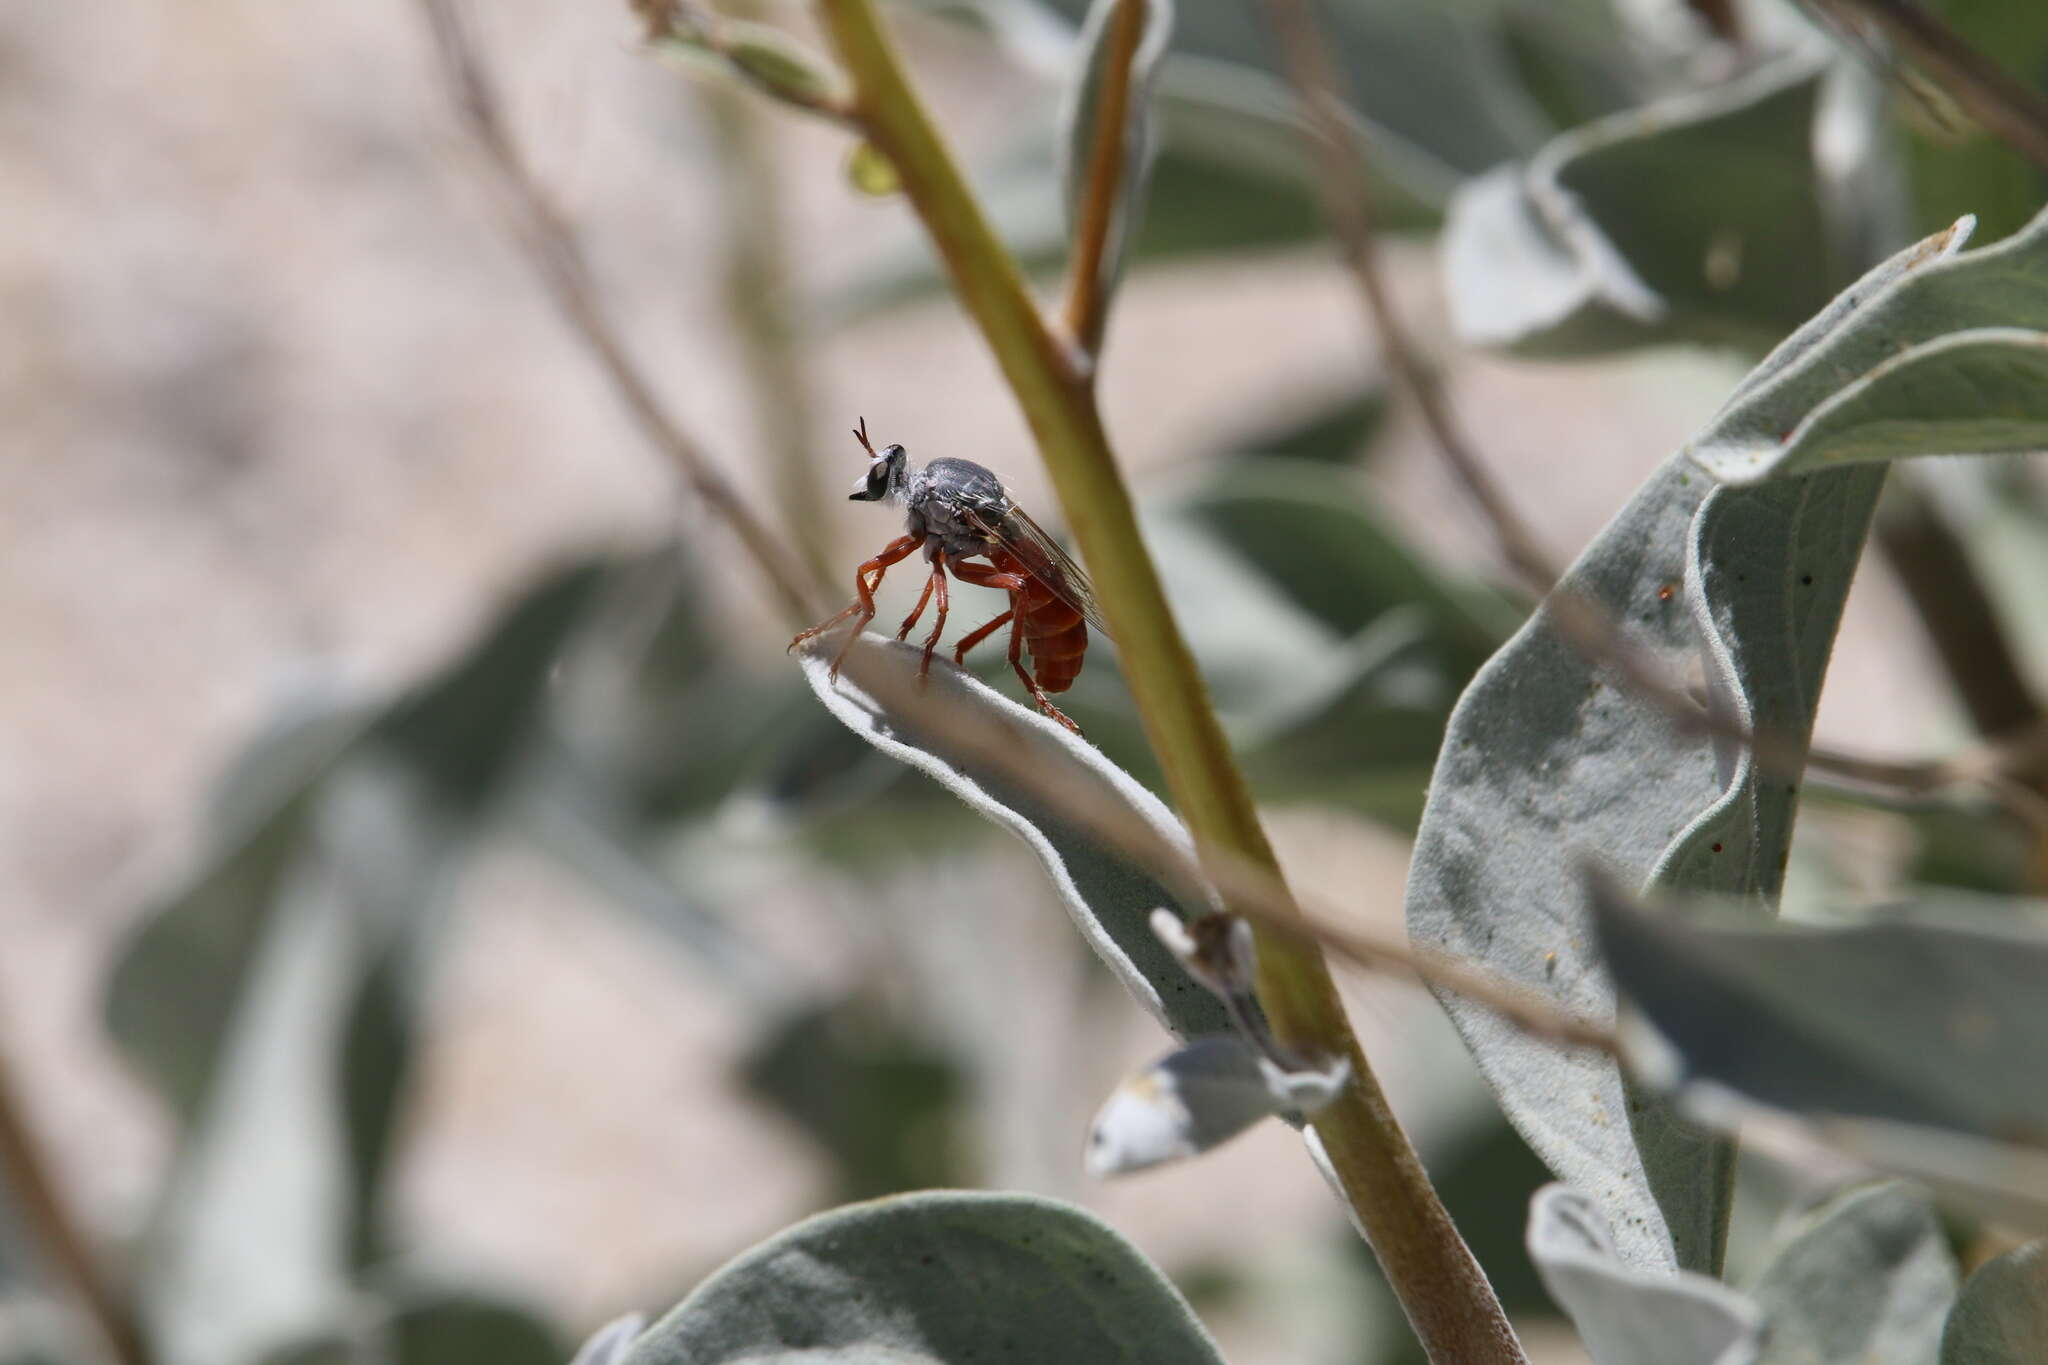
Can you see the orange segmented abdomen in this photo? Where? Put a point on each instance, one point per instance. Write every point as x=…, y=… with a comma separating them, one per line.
x=1055, y=634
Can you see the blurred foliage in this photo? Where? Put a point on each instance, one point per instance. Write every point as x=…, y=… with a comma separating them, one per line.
x=1952, y=165
x=2002, y=1316
x=273, y=999
x=882, y=1102
x=1607, y=185
x=1332, y=426
x=434, y=1327
x=1699, y=218
x=1842, y=1019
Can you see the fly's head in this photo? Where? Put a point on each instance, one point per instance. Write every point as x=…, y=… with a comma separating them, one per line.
x=888, y=475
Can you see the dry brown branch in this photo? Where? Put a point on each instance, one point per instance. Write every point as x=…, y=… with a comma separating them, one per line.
x=49, y=1217
x=551, y=245
x=1244, y=887
x=2007, y=107
x=1347, y=200
x=1087, y=306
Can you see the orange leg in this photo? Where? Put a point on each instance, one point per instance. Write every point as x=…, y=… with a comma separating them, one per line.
x=903, y=632
x=864, y=605
x=987, y=576
x=1030, y=683
x=979, y=634
x=936, y=582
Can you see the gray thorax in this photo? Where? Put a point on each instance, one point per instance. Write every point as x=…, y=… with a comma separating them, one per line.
x=939, y=495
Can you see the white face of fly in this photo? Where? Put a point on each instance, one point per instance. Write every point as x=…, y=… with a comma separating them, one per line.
x=887, y=477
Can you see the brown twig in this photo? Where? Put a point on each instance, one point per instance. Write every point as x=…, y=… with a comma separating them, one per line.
x=1990, y=766
x=43, y=1208
x=551, y=245
x=1245, y=887
x=1448, y=1299
x=1969, y=639
x=2007, y=107
x=1347, y=198
x=1087, y=304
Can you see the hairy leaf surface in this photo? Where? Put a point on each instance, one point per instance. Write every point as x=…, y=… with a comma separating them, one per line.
x=941, y=1277
x=1949, y=362
x=2002, y=1316
x=1697, y=218
x=1627, y=1315
x=1928, y=1015
x=1109, y=899
x=1866, y=1279
x=1546, y=760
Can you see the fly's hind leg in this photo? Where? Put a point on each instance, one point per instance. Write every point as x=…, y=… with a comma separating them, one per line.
x=1031, y=683
x=978, y=634
x=987, y=576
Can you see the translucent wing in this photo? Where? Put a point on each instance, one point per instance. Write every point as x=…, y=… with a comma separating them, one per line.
x=1041, y=556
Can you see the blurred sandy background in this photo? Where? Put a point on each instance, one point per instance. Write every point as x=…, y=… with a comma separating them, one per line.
x=283, y=409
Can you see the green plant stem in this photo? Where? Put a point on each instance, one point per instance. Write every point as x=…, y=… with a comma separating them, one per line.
x=1446, y=1295
x=1087, y=307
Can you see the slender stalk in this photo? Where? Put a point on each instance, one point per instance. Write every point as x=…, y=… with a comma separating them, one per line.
x=43, y=1208
x=757, y=297
x=1347, y=202
x=1251, y=890
x=551, y=244
x=2004, y=105
x=1994, y=765
x=1956, y=610
x=1446, y=1295
x=1087, y=307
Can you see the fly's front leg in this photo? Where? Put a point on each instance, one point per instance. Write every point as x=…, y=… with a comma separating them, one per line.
x=937, y=582
x=903, y=632
x=864, y=606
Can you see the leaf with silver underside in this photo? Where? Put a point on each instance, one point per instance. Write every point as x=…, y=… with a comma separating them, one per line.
x=1927, y=1014
x=1546, y=760
x=1954, y=361
x=1627, y=1315
x=1699, y=218
x=1865, y=1279
x=1109, y=898
x=1079, y=116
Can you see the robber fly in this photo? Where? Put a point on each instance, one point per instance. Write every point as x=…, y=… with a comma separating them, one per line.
x=957, y=512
